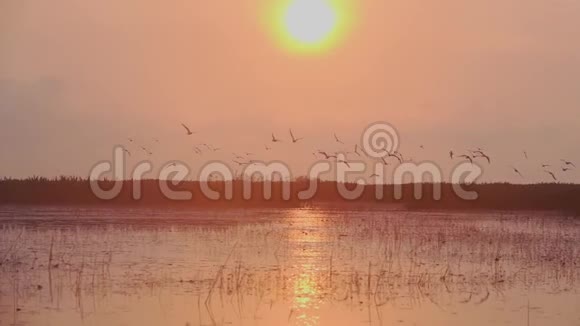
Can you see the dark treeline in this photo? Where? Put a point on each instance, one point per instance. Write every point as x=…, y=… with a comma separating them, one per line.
x=501, y=196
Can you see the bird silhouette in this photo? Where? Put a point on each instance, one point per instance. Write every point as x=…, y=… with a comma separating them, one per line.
x=552, y=174
x=517, y=171
x=337, y=140
x=148, y=152
x=451, y=154
x=566, y=162
x=483, y=155
x=396, y=155
x=189, y=132
x=343, y=161
x=384, y=161
x=399, y=155
x=294, y=139
x=467, y=157
x=274, y=139
x=326, y=156
x=356, y=150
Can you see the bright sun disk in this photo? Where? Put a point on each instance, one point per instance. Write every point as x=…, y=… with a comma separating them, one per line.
x=310, y=21
x=309, y=26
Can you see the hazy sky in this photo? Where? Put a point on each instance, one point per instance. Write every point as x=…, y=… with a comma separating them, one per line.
x=77, y=77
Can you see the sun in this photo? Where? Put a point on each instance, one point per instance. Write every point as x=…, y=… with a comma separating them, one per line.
x=310, y=21
x=309, y=26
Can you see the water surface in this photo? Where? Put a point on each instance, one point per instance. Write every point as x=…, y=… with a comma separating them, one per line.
x=96, y=266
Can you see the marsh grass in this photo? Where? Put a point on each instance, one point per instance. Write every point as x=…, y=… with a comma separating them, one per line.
x=371, y=260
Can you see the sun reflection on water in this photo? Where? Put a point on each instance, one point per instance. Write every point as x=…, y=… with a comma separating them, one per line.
x=306, y=302
x=308, y=287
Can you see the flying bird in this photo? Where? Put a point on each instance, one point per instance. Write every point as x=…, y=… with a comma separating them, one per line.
x=451, y=154
x=517, y=171
x=396, y=155
x=399, y=155
x=148, y=152
x=345, y=162
x=545, y=165
x=189, y=133
x=274, y=139
x=482, y=154
x=467, y=157
x=566, y=169
x=568, y=163
x=326, y=155
x=294, y=139
x=337, y=140
x=552, y=174
x=267, y=148
x=373, y=175
x=356, y=150
x=384, y=161
x=526, y=155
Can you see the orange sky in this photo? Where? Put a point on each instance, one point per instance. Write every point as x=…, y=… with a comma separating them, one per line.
x=77, y=77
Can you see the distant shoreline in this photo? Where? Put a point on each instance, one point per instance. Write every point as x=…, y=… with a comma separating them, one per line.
x=71, y=191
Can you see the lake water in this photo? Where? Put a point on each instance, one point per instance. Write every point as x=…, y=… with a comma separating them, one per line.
x=89, y=266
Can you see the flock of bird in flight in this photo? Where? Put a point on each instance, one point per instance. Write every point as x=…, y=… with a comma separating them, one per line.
x=470, y=155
